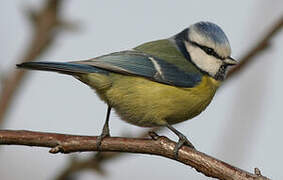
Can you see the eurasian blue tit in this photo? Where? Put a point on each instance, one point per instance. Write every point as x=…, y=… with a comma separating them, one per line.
x=158, y=83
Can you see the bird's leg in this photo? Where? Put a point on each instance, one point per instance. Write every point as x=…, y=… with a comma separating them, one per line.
x=182, y=140
x=105, y=130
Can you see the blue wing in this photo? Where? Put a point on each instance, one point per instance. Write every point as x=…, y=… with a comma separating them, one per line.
x=144, y=65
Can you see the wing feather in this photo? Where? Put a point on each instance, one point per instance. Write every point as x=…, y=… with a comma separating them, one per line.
x=144, y=65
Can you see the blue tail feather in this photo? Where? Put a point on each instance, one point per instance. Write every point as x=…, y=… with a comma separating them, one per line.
x=65, y=68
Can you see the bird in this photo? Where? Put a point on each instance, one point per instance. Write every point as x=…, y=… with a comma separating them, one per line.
x=156, y=84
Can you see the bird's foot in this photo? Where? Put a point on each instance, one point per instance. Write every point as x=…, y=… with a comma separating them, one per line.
x=105, y=133
x=182, y=141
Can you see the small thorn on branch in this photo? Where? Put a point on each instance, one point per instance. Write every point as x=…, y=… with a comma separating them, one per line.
x=257, y=172
x=57, y=149
x=153, y=135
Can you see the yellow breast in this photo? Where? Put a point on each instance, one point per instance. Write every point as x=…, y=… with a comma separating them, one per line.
x=146, y=103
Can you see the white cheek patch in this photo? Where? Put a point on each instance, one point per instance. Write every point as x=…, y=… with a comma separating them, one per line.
x=207, y=63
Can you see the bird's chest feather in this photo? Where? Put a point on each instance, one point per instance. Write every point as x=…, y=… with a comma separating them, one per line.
x=146, y=103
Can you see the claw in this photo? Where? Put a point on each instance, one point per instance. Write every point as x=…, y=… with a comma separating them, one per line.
x=105, y=133
x=182, y=141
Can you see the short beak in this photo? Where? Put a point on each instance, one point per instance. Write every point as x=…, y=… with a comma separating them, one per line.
x=230, y=61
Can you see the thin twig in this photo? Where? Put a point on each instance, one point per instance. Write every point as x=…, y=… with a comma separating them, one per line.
x=262, y=45
x=44, y=23
x=93, y=163
x=158, y=145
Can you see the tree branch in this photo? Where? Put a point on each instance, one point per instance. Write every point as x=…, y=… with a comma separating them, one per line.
x=94, y=162
x=158, y=145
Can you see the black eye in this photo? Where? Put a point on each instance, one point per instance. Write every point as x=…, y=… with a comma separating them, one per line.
x=208, y=50
x=211, y=52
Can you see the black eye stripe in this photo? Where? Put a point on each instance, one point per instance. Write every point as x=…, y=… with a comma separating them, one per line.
x=207, y=50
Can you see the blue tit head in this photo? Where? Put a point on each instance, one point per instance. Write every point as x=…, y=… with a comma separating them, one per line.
x=207, y=47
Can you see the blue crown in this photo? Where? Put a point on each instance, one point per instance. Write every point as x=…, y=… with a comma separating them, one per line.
x=212, y=31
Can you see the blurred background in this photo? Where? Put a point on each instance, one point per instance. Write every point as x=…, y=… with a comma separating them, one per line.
x=242, y=126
